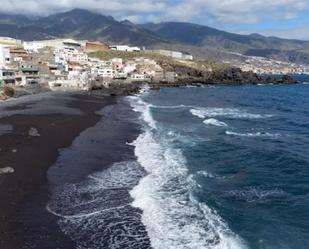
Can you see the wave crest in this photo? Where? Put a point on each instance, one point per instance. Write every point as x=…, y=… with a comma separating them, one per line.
x=171, y=214
x=226, y=112
x=255, y=134
x=215, y=122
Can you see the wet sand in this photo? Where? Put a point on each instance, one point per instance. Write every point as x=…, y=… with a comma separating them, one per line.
x=23, y=194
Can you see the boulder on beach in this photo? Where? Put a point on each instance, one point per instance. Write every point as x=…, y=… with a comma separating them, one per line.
x=6, y=170
x=33, y=132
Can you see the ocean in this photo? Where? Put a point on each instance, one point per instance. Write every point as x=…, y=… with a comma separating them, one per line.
x=218, y=167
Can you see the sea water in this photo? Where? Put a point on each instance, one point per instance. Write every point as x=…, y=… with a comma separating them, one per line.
x=226, y=167
x=218, y=167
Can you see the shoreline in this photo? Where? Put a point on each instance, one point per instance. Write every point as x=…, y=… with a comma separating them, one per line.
x=31, y=157
x=24, y=220
x=192, y=77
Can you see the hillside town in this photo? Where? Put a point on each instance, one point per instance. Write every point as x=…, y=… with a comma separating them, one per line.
x=65, y=64
x=262, y=65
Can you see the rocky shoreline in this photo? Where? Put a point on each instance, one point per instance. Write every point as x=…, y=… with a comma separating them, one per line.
x=186, y=76
x=229, y=75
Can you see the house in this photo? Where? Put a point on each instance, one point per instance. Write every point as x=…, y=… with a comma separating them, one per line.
x=129, y=67
x=69, y=54
x=137, y=77
x=5, y=56
x=32, y=46
x=120, y=76
x=78, y=57
x=74, y=80
x=106, y=72
x=28, y=75
x=7, y=75
x=117, y=63
x=18, y=54
x=29, y=70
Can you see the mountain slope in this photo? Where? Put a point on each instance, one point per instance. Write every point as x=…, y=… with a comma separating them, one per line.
x=201, y=41
x=80, y=24
x=252, y=45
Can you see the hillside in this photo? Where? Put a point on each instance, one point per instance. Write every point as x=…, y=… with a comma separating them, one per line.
x=77, y=23
x=201, y=41
x=251, y=45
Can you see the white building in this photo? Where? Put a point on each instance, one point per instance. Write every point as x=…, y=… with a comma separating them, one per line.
x=175, y=54
x=138, y=77
x=68, y=54
x=75, y=80
x=4, y=55
x=129, y=68
x=56, y=43
x=125, y=48
x=106, y=72
x=7, y=76
x=33, y=46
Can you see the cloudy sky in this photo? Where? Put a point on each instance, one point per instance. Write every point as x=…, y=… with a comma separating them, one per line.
x=284, y=18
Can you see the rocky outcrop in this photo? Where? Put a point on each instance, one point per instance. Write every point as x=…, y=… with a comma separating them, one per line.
x=119, y=88
x=226, y=75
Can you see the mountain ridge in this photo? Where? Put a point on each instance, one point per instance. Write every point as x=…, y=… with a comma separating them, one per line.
x=200, y=40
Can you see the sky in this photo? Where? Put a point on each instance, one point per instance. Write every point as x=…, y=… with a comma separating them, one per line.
x=283, y=18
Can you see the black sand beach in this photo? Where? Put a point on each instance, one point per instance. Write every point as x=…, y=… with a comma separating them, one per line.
x=24, y=221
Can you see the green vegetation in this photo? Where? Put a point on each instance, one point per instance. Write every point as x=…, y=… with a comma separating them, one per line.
x=202, y=65
x=9, y=91
x=109, y=54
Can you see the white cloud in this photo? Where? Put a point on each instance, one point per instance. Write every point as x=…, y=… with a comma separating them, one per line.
x=239, y=11
x=301, y=33
x=214, y=11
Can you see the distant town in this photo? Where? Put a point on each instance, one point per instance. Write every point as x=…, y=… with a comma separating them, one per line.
x=67, y=64
x=262, y=65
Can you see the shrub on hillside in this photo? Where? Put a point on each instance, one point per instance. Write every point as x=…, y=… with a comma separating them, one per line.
x=9, y=91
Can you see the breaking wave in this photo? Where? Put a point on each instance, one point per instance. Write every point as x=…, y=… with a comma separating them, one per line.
x=214, y=122
x=143, y=108
x=171, y=214
x=226, y=112
x=255, y=134
x=170, y=106
x=100, y=205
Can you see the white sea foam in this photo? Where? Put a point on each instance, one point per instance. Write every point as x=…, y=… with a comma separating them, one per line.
x=205, y=174
x=170, y=106
x=225, y=112
x=173, y=218
x=214, y=122
x=96, y=213
x=253, y=134
x=144, y=108
x=256, y=194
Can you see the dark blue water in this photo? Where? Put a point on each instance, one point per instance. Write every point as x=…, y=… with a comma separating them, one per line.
x=228, y=167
